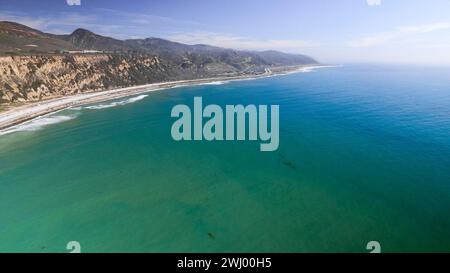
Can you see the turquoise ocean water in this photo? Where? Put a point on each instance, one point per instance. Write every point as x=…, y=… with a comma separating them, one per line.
x=364, y=155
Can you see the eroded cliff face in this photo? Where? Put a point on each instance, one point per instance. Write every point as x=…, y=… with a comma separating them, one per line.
x=38, y=65
x=33, y=78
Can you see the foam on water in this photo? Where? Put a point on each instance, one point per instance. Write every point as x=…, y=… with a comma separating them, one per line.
x=214, y=83
x=37, y=123
x=179, y=85
x=309, y=69
x=115, y=103
x=205, y=83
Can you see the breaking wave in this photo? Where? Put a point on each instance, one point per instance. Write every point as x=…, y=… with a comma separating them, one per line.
x=37, y=124
x=115, y=103
x=214, y=83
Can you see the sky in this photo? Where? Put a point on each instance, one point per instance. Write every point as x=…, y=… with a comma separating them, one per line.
x=332, y=31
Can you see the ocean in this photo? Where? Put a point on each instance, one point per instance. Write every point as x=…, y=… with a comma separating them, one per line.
x=364, y=155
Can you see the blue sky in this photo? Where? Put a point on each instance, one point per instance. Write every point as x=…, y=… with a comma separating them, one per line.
x=333, y=31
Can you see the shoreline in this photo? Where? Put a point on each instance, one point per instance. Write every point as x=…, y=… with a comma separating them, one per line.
x=24, y=113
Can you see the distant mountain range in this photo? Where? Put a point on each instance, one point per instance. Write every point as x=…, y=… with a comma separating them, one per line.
x=20, y=39
x=35, y=65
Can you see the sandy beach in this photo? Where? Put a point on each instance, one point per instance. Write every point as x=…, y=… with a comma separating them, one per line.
x=23, y=113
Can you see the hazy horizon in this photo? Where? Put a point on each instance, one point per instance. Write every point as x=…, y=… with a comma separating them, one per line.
x=349, y=31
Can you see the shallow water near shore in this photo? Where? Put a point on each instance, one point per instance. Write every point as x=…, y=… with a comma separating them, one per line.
x=364, y=155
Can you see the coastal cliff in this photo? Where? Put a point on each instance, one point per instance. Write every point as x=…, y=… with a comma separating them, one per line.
x=35, y=65
x=33, y=78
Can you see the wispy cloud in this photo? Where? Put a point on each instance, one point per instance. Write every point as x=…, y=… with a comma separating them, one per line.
x=238, y=42
x=136, y=25
x=399, y=33
x=43, y=23
x=425, y=28
x=124, y=25
x=136, y=18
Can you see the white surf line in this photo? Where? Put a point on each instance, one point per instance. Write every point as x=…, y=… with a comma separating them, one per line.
x=29, y=112
x=115, y=103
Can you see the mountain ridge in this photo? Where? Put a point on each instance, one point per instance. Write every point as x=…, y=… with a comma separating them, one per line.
x=84, y=39
x=35, y=65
